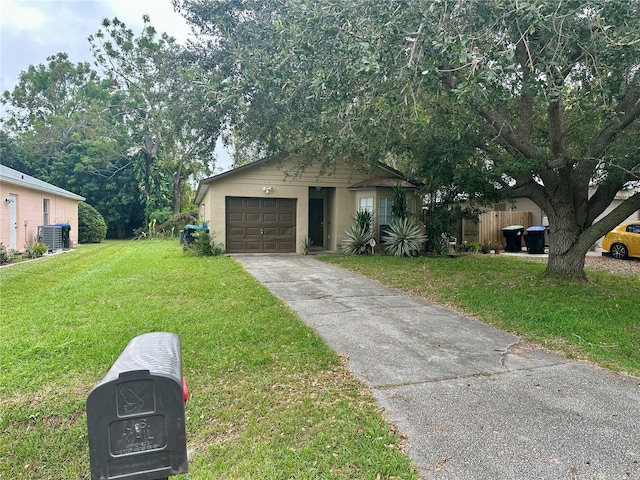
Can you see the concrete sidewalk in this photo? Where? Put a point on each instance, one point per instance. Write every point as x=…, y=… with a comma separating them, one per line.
x=473, y=401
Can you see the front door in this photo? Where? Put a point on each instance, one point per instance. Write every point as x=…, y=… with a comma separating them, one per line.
x=13, y=221
x=316, y=222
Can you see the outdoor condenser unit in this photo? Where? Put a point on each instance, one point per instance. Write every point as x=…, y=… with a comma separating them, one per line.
x=51, y=236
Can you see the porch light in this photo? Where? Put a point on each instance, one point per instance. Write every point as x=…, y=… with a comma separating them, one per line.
x=267, y=189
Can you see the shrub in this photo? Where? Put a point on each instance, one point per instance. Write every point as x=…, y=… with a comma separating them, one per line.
x=357, y=239
x=36, y=250
x=203, y=246
x=364, y=219
x=4, y=255
x=474, y=247
x=306, y=245
x=404, y=238
x=91, y=225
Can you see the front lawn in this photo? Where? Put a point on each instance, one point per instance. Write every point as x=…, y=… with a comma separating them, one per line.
x=599, y=321
x=268, y=398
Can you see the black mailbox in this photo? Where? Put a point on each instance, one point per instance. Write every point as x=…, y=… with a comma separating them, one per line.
x=135, y=415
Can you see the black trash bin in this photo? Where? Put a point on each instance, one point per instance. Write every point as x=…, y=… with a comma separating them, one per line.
x=534, y=239
x=190, y=233
x=513, y=237
x=66, y=234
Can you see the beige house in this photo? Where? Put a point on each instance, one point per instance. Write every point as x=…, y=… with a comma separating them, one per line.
x=27, y=203
x=262, y=208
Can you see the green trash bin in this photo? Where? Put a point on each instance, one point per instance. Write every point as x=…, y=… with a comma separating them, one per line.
x=190, y=233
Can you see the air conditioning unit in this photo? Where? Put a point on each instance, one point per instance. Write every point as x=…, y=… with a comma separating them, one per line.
x=51, y=236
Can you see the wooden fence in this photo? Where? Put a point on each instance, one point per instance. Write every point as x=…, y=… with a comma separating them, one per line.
x=490, y=224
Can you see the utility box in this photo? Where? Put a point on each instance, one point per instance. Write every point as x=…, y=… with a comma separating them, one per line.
x=51, y=236
x=135, y=415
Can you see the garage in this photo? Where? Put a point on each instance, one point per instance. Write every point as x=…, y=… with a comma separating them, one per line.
x=260, y=225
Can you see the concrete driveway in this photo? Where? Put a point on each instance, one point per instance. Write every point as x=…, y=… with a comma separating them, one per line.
x=472, y=400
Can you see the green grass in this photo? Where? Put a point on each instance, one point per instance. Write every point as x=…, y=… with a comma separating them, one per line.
x=268, y=398
x=598, y=321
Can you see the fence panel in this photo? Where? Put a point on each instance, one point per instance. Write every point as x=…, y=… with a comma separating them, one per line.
x=491, y=224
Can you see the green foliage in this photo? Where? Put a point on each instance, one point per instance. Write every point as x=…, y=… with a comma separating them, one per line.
x=363, y=218
x=203, y=246
x=404, y=238
x=175, y=223
x=480, y=98
x=172, y=128
x=66, y=129
x=91, y=225
x=36, y=249
x=474, y=247
x=4, y=255
x=399, y=208
x=357, y=239
x=306, y=245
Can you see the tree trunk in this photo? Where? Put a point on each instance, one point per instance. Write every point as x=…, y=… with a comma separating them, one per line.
x=569, y=265
x=567, y=249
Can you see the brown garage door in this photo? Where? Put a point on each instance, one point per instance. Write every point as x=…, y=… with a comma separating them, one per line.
x=261, y=225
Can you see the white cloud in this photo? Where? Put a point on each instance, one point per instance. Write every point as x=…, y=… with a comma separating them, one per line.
x=20, y=15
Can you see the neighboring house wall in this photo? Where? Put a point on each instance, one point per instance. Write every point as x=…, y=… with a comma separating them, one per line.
x=23, y=200
x=330, y=192
x=539, y=217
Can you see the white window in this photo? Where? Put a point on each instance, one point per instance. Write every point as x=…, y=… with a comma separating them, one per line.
x=365, y=203
x=45, y=211
x=384, y=212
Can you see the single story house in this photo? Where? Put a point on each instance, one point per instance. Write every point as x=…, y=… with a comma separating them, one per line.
x=27, y=203
x=263, y=207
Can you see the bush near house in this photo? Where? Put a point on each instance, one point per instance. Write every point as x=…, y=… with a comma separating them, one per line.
x=91, y=225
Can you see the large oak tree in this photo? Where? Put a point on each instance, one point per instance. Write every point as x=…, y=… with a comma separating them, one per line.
x=545, y=95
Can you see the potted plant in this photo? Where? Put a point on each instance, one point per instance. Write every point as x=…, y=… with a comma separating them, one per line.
x=497, y=247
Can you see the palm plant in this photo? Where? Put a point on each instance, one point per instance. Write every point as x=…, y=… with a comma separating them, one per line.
x=357, y=239
x=404, y=238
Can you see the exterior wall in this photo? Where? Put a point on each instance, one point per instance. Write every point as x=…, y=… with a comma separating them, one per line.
x=29, y=213
x=340, y=203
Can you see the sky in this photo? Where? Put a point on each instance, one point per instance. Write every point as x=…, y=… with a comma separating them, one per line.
x=32, y=30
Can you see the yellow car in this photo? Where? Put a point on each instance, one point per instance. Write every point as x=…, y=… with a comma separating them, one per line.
x=623, y=241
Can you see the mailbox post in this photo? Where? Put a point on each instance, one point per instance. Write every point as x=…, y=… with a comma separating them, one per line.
x=135, y=415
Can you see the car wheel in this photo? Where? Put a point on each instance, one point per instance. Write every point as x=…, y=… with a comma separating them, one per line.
x=619, y=251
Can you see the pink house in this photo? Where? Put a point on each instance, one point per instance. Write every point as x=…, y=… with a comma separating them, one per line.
x=27, y=203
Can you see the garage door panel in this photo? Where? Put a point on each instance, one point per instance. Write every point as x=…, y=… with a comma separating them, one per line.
x=235, y=231
x=235, y=217
x=260, y=225
x=235, y=202
x=286, y=218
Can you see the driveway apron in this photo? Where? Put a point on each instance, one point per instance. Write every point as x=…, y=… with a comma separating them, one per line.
x=472, y=400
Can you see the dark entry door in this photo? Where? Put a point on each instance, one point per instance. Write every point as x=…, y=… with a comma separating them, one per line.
x=316, y=221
